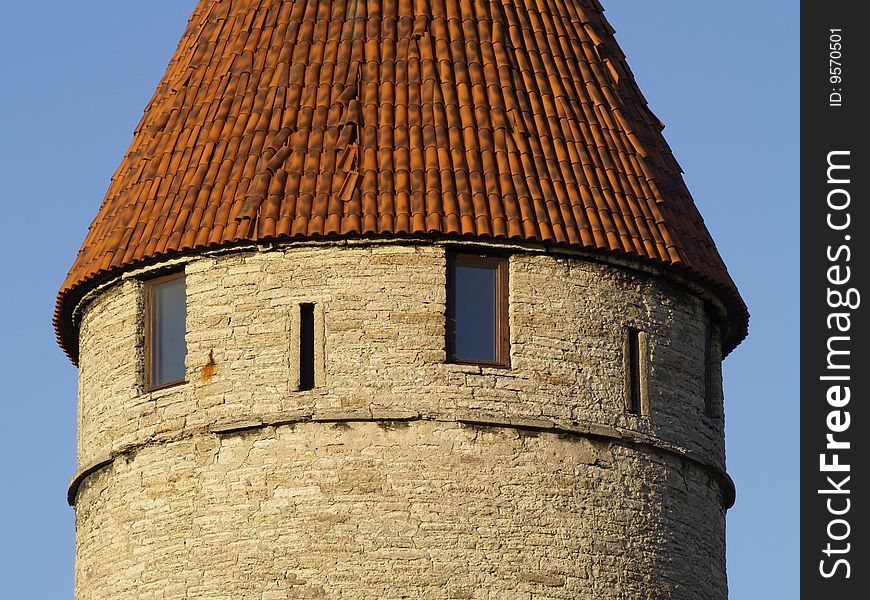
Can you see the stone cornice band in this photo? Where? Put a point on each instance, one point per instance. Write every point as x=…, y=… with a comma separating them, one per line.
x=478, y=419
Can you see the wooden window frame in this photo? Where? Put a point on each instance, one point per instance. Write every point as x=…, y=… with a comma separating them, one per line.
x=502, y=326
x=637, y=372
x=149, y=331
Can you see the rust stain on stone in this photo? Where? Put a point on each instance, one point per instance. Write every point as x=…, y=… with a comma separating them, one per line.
x=210, y=368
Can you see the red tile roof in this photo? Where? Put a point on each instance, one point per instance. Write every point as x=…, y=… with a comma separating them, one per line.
x=484, y=119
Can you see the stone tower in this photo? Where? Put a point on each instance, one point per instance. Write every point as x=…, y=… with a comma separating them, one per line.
x=399, y=299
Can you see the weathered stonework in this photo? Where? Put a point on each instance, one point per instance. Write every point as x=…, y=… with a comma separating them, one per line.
x=399, y=475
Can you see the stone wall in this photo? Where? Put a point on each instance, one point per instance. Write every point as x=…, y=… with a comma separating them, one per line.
x=278, y=493
x=420, y=510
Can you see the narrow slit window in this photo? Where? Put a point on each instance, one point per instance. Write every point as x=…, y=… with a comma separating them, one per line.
x=636, y=376
x=633, y=371
x=306, y=346
x=709, y=407
x=166, y=327
x=477, y=310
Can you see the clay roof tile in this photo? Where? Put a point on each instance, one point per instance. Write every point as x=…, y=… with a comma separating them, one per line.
x=456, y=117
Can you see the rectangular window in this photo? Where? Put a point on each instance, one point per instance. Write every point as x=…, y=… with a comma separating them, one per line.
x=306, y=346
x=165, y=329
x=709, y=407
x=477, y=301
x=636, y=373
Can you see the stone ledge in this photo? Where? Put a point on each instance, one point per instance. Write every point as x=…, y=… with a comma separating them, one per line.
x=478, y=419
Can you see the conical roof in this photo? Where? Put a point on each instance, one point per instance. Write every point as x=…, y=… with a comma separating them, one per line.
x=484, y=119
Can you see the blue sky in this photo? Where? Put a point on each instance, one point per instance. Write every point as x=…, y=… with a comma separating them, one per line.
x=722, y=76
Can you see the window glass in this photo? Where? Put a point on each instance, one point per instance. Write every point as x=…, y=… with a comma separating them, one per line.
x=168, y=328
x=475, y=313
x=478, y=325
